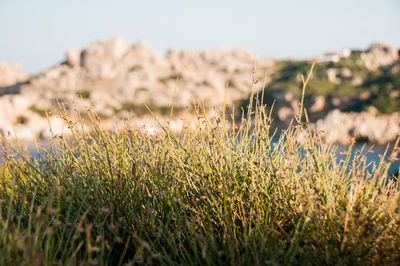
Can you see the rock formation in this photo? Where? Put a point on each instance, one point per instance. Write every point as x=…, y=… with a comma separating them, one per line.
x=115, y=79
x=379, y=54
x=11, y=74
x=340, y=127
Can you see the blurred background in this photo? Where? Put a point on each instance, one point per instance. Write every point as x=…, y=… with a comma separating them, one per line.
x=37, y=33
x=114, y=57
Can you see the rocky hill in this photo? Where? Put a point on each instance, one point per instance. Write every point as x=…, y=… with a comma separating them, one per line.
x=358, y=89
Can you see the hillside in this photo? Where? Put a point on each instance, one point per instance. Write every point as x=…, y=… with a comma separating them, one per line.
x=115, y=79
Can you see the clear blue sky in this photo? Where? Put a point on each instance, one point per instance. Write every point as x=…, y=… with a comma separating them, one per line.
x=37, y=33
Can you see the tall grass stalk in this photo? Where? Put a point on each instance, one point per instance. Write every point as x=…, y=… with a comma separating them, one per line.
x=221, y=193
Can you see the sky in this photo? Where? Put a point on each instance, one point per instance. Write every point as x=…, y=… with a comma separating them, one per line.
x=36, y=33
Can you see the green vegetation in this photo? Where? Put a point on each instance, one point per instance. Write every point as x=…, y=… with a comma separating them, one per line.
x=173, y=77
x=383, y=84
x=351, y=62
x=141, y=109
x=387, y=97
x=85, y=94
x=232, y=84
x=38, y=111
x=135, y=68
x=287, y=78
x=22, y=119
x=222, y=193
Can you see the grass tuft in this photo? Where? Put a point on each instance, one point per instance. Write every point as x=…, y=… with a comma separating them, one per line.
x=225, y=192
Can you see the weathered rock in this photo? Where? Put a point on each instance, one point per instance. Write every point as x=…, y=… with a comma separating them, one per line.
x=379, y=54
x=115, y=79
x=12, y=110
x=319, y=104
x=331, y=74
x=59, y=79
x=341, y=127
x=372, y=110
x=74, y=57
x=336, y=76
x=11, y=106
x=11, y=74
x=356, y=81
x=288, y=97
x=101, y=57
x=285, y=113
x=35, y=127
x=345, y=73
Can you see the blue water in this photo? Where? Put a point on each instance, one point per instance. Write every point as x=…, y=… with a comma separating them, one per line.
x=372, y=157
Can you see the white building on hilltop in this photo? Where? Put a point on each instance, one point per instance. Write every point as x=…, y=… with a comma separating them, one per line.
x=333, y=57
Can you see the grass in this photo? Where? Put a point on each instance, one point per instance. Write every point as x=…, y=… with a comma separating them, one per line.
x=38, y=110
x=141, y=110
x=172, y=77
x=85, y=94
x=222, y=193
